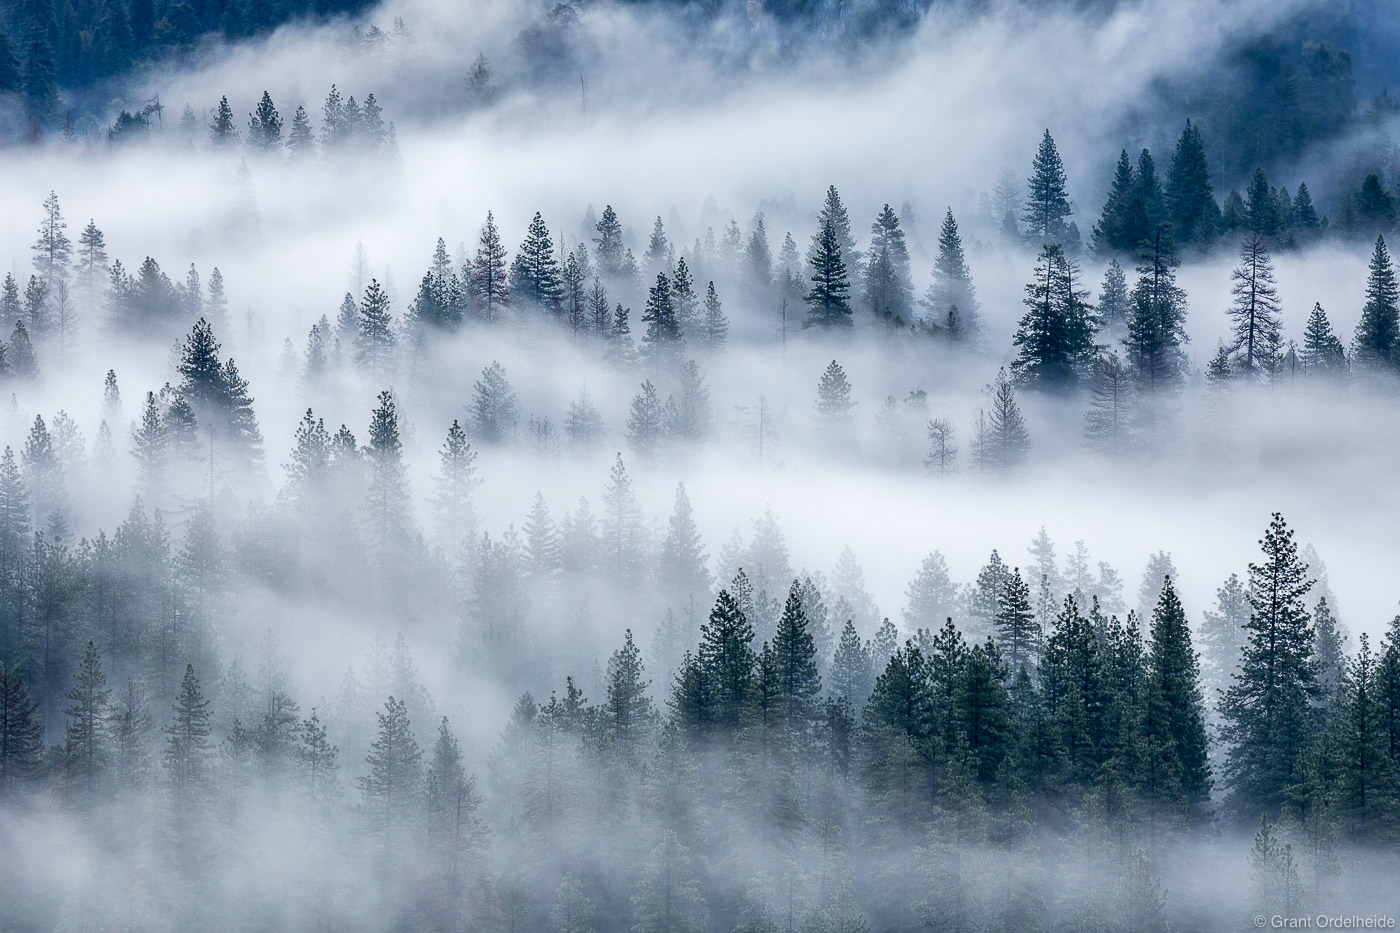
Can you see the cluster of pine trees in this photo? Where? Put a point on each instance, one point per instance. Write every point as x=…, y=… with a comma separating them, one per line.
x=1044, y=761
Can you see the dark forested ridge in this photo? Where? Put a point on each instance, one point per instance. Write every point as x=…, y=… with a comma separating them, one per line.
x=703, y=737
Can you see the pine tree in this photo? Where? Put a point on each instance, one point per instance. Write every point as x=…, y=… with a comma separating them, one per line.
x=1268, y=722
x=534, y=275
x=622, y=527
x=657, y=247
x=20, y=359
x=1156, y=320
x=583, y=423
x=609, y=243
x=187, y=742
x=628, y=715
x=1007, y=443
x=669, y=898
x=453, y=487
x=149, y=445
x=222, y=133
x=489, y=286
x=646, y=422
x=1047, y=203
x=21, y=734
x=1368, y=798
x=387, y=500
x=1178, y=770
x=301, y=142
x=1018, y=632
x=374, y=338
x=1189, y=201
x=390, y=791
x=1323, y=353
x=53, y=251
x=834, y=404
x=682, y=560
x=1113, y=307
x=942, y=454
x=714, y=327
x=952, y=288
x=1258, y=332
x=663, y=340
x=727, y=664
x=265, y=126
x=1124, y=215
x=795, y=657
x=889, y=292
x=1377, y=335
x=1055, y=335
x=1109, y=426
x=828, y=301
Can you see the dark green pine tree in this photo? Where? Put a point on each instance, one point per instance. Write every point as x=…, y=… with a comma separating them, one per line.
x=828, y=301
x=609, y=242
x=1119, y=223
x=1260, y=209
x=851, y=676
x=951, y=296
x=795, y=661
x=374, y=335
x=1076, y=693
x=21, y=734
x=1055, y=337
x=40, y=69
x=1322, y=353
x=222, y=132
x=889, y=291
x=202, y=372
x=980, y=709
x=662, y=343
x=1156, y=319
x=714, y=326
x=1189, y=200
x=1047, y=203
x=534, y=275
x=391, y=790
x=1176, y=773
x=1017, y=628
x=1267, y=711
x=727, y=664
x=1377, y=335
x=86, y=750
x=489, y=283
x=1368, y=796
x=265, y=126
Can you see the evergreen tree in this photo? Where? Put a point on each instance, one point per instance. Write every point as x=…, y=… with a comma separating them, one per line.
x=888, y=289
x=1156, y=320
x=1055, y=335
x=1189, y=201
x=828, y=301
x=663, y=340
x=795, y=662
x=187, y=742
x=628, y=716
x=1114, y=304
x=646, y=422
x=21, y=734
x=53, y=251
x=85, y=745
x=834, y=403
x=265, y=126
x=374, y=337
x=1124, y=219
x=1018, y=632
x=1109, y=424
x=714, y=327
x=1177, y=772
x=390, y=791
x=951, y=290
x=534, y=275
x=1258, y=332
x=1007, y=443
x=222, y=132
x=727, y=664
x=1323, y=353
x=609, y=243
x=489, y=286
x=387, y=500
x=1047, y=203
x=301, y=141
x=851, y=676
x=1374, y=343
x=1268, y=721
x=493, y=409
x=668, y=898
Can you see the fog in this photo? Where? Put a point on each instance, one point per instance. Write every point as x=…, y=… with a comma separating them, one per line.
x=290, y=581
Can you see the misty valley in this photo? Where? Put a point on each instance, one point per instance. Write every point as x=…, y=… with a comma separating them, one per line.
x=699, y=467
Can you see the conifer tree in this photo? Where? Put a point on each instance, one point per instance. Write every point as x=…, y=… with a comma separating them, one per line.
x=1047, y=203
x=628, y=716
x=1055, y=338
x=663, y=340
x=682, y=560
x=265, y=126
x=888, y=289
x=1109, y=426
x=646, y=422
x=187, y=742
x=1374, y=343
x=20, y=358
x=489, y=286
x=1007, y=443
x=1268, y=721
x=727, y=663
x=534, y=275
x=828, y=301
x=1323, y=353
x=390, y=791
x=1257, y=346
x=301, y=141
x=657, y=247
x=1189, y=201
x=387, y=500
x=669, y=898
x=851, y=675
x=453, y=486
x=1114, y=302
x=1156, y=320
x=1124, y=213
x=53, y=251
x=493, y=409
x=222, y=132
x=714, y=327
x=374, y=337
x=622, y=527
x=21, y=733
x=1018, y=632
x=834, y=403
x=609, y=243
x=795, y=658
x=1178, y=770
x=952, y=289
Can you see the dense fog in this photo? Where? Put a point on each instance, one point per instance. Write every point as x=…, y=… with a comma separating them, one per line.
x=698, y=467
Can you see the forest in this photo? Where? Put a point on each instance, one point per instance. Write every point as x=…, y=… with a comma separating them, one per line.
x=419, y=511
